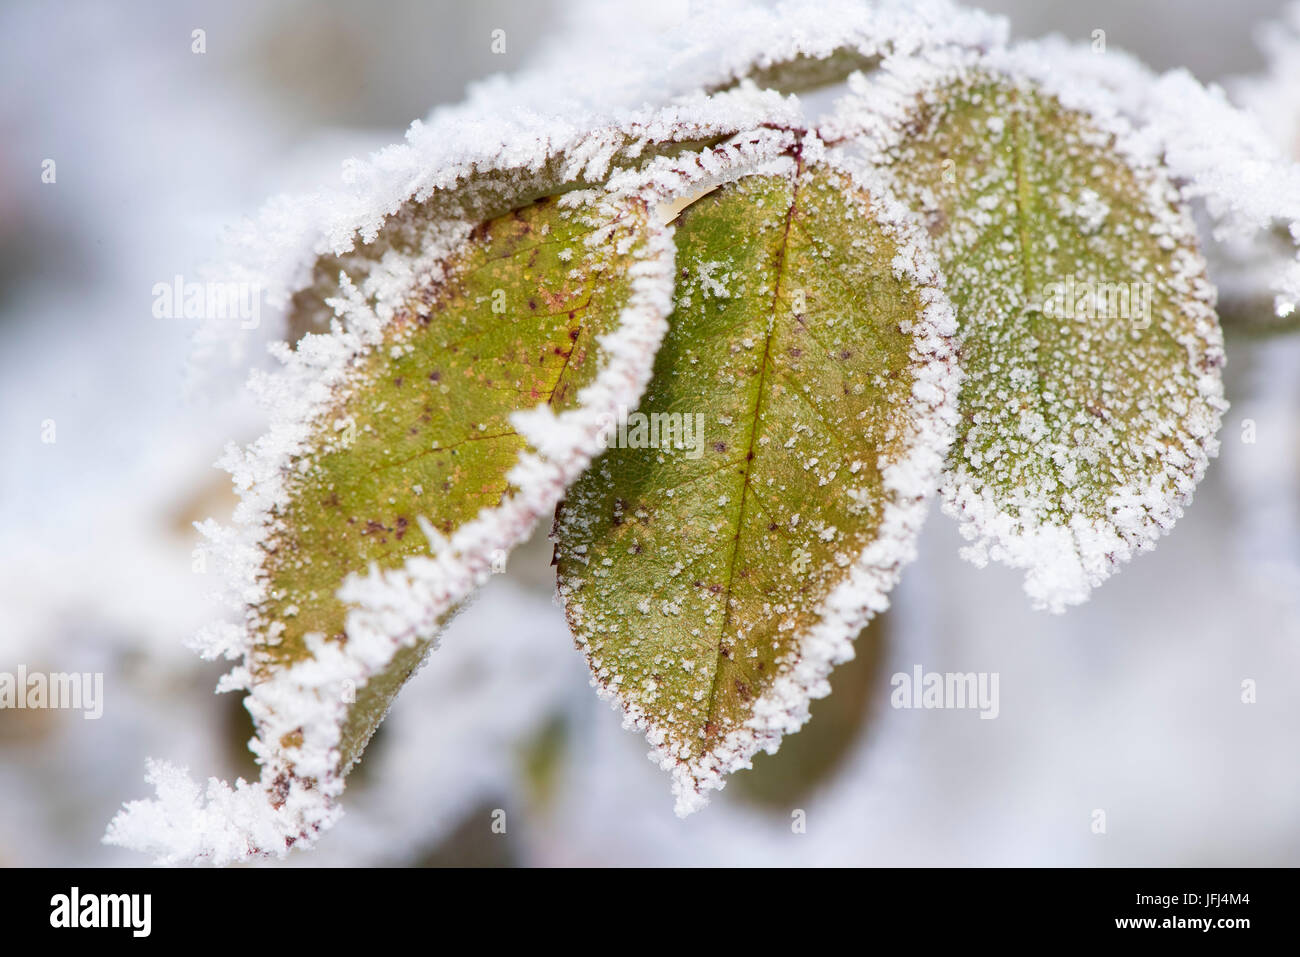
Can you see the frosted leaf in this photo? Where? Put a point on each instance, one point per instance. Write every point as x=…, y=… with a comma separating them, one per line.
x=835, y=40
x=1225, y=163
x=471, y=161
x=468, y=378
x=715, y=574
x=794, y=45
x=1090, y=348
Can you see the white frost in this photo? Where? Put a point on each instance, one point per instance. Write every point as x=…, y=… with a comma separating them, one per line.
x=306, y=705
x=1178, y=159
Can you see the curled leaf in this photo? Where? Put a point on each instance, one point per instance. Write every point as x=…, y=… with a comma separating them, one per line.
x=718, y=563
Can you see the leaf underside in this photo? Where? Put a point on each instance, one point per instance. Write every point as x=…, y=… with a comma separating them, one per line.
x=811, y=760
x=692, y=577
x=803, y=73
x=483, y=194
x=423, y=428
x=1090, y=346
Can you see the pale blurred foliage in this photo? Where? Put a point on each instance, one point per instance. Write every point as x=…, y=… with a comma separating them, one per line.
x=1129, y=704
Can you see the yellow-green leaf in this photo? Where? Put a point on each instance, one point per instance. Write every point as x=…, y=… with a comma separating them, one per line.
x=715, y=577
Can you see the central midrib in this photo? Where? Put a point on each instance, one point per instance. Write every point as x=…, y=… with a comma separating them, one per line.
x=753, y=432
x=1038, y=325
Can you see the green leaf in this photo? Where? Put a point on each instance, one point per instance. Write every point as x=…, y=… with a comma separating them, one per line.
x=1090, y=346
x=483, y=341
x=713, y=583
x=425, y=428
x=443, y=420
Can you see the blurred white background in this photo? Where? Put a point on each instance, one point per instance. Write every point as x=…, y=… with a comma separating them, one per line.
x=1130, y=704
